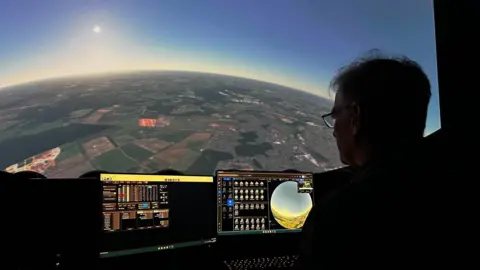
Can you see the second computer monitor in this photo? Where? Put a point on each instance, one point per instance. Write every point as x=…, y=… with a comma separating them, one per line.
x=143, y=212
x=263, y=202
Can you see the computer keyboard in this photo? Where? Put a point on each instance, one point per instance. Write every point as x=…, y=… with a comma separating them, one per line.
x=262, y=263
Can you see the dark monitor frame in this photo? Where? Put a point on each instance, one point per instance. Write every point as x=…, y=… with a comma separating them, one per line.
x=208, y=239
x=266, y=233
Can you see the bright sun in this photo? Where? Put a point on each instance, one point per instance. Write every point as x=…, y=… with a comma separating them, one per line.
x=97, y=29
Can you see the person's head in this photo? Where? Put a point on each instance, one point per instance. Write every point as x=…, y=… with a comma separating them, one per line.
x=381, y=105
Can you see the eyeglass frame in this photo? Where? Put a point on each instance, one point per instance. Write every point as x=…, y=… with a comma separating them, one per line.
x=325, y=121
x=334, y=111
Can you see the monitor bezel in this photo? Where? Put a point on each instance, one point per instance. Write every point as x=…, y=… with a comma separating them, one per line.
x=160, y=247
x=271, y=233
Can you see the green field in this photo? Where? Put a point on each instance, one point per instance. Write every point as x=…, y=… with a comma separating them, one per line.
x=175, y=136
x=122, y=138
x=196, y=145
x=123, y=121
x=140, y=170
x=113, y=161
x=186, y=161
x=136, y=152
x=69, y=150
x=207, y=162
x=156, y=165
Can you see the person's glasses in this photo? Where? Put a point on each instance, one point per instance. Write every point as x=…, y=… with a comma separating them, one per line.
x=328, y=120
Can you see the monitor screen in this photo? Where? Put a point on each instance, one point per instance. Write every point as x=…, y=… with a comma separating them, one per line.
x=196, y=86
x=263, y=202
x=143, y=213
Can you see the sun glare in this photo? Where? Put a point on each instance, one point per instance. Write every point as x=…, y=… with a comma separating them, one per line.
x=97, y=29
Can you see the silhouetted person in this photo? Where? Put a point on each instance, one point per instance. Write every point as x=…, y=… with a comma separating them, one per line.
x=380, y=218
x=327, y=182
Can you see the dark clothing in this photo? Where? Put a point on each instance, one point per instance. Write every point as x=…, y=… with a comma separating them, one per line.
x=325, y=182
x=381, y=219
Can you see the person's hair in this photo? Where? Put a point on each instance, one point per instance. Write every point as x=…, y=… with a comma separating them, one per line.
x=393, y=95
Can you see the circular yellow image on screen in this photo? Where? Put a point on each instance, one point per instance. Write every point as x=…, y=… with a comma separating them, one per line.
x=290, y=208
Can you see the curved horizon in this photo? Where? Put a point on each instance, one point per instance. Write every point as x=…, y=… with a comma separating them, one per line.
x=112, y=72
x=298, y=45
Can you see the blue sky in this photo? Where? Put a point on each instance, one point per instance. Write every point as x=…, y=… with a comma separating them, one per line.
x=300, y=43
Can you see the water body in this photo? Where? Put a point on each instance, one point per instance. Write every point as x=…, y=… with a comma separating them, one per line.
x=55, y=111
x=23, y=147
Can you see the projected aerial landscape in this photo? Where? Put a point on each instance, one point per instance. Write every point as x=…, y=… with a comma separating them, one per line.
x=141, y=122
x=141, y=86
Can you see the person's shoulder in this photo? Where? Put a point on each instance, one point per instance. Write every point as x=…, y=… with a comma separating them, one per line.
x=361, y=193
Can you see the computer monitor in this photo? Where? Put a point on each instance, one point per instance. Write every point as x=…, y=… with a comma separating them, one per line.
x=263, y=202
x=145, y=213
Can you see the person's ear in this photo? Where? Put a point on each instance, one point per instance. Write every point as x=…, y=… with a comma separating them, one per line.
x=355, y=118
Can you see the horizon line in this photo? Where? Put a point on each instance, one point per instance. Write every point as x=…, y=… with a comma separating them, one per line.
x=2, y=87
